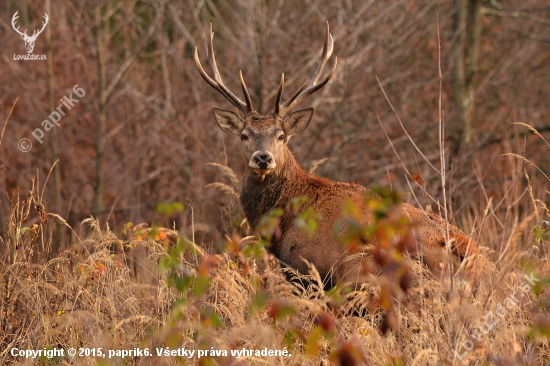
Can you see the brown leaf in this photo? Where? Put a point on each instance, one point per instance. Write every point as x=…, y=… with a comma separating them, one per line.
x=278, y=308
x=389, y=322
x=210, y=262
x=379, y=256
x=407, y=243
x=405, y=282
x=418, y=179
x=326, y=322
x=348, y=355
x=385, y=297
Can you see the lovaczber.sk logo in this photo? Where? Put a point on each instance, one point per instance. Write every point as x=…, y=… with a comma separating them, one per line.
x=29, y=40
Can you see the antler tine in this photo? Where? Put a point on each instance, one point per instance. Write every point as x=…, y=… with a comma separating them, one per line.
x=279, y=94
x=34, y=33
x=217, y=83
x=312, y=86
x=245, y=92
x=14, y=20
x=212, y=57
x=295, y=95
x=211, y=82
x=46, y=19
x=243, y=107
x=328, y=47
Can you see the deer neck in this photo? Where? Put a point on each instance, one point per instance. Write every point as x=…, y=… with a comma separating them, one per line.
x=259, y=196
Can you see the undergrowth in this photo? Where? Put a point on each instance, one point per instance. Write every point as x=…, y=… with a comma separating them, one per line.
x=150, y=288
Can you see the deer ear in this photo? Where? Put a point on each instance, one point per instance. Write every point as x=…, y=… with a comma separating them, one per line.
x=298, y=121
x=228, y=121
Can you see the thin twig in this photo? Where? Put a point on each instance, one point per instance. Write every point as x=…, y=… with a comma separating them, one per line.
x=6, y=122
x=403, y=127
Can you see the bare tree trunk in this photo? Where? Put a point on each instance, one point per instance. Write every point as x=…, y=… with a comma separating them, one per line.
x=467, y=26
x=474, y=35
x=105, y=90
x=99, y=186
x=56, y=240
x=258, y=13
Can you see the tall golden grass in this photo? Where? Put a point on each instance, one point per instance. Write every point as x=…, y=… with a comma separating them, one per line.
x=151, y=288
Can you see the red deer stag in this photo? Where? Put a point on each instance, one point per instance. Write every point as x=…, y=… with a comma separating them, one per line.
x=274, y=178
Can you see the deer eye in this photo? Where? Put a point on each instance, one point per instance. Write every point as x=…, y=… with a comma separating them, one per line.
x=281, y=138
x=244, y=137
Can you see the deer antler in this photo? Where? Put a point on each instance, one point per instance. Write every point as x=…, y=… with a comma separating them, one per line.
x=43, y=26
x=24, y=34
x=13, y=21
x=218, y=84
x=309, y=87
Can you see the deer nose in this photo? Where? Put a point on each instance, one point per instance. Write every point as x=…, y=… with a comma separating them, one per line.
x=263, y=160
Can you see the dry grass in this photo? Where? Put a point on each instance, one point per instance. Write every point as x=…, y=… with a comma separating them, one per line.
x=89, y=297
x=153, y=289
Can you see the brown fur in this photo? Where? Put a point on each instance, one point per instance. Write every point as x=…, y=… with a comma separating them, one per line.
x=327, y=197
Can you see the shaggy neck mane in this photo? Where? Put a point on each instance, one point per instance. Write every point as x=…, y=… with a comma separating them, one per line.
x=287, y=181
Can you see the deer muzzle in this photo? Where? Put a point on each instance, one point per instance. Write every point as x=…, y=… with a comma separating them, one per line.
x=262, y=162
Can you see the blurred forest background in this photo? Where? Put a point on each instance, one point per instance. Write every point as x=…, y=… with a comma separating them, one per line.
x=144, y=133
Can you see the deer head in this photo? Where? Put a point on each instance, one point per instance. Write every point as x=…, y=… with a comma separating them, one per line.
x=29, y=40
x=265, y=136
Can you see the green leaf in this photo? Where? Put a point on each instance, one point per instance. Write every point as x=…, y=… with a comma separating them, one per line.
x=169, y=208
x=201, y=286
x=258, y=302
x=539, y=233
